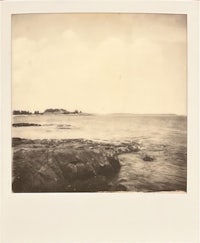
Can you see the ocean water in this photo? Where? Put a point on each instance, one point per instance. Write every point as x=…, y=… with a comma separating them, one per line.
x=163, y=137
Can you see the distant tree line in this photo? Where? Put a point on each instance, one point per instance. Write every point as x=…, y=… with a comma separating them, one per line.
x=18, y=112
x=60, y=111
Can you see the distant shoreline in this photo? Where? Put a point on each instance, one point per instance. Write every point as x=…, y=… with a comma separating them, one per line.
x=54, y=114
x=100, y=114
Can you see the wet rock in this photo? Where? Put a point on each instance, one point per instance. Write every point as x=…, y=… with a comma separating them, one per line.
x=64, y=165
x=118, y=187
x=20, y=141
x=85, y=171
x=148, y=158
x=25, y=125
x=94, y=184
x=114, y=162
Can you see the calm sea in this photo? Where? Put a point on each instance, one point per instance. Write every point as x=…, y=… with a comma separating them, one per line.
x=163, y=137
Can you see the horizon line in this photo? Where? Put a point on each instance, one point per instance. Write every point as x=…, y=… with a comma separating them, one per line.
x=106, y=113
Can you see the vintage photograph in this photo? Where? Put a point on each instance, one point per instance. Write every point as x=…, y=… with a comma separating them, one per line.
x=99, y=102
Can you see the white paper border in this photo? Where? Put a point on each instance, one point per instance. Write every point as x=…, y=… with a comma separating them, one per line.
x=100, y=217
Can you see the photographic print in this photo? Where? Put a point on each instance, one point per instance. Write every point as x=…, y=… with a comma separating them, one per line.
x=99, y=102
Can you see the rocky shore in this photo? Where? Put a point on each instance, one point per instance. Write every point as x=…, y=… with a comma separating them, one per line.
x=26, y=125
x=68, y=165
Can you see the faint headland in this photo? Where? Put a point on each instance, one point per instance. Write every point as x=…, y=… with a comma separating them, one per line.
x=47, y=111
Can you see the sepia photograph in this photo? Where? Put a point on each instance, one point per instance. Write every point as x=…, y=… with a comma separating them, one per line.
x=99, y=121
x=99, y=102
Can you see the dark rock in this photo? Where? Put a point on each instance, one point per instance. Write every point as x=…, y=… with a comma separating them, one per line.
x=64, y=165
x=16, y=141
x=94, y=184
x=85, y=171
x=114, y=161
x=148, y=158
x=118, y=187
x=25, y=125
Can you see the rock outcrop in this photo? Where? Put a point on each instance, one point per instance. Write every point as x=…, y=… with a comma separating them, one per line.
x=73, y=165
x=25, y=125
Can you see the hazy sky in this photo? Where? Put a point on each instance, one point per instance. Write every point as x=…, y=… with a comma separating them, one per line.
x=99, y=62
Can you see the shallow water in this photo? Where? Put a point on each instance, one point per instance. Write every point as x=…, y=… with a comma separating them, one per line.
x=163, y=137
